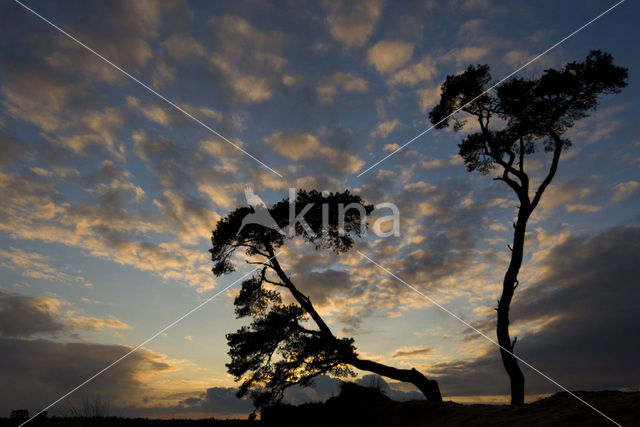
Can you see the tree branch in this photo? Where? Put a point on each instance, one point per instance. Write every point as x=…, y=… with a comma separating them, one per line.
x=274, y=283
x=552, y=169
x=507, y=167
x=512, y=158
x=521, y=159
x=257, y=263
x=302, y=299
x=505, y=177
x=313, y=375
x=310, y=331
x=253, y=248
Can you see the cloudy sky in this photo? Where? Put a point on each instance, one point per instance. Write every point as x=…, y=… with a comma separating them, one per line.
x=109, y=194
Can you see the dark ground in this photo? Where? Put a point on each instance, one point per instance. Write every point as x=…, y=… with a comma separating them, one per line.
x=359, y=406
x=558, y=410
x=125, y=422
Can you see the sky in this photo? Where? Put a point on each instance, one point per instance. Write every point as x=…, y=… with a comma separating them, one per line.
x=109, y=194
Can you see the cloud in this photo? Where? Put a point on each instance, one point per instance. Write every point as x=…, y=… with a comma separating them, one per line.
x=24, y=316
x=217, y=400
x=352, y=22
x=322, y=285
x=36, y=266
x=420, y=72
x=428, y=97
x=433, y=163
x=394, y=390
x=248, y=88
x=248, y=58
x=340, y=82
x=585, y=298
x=575, y=194
x=294, y=146
x=465, y=55
x=58, y=173
x=385, y=128
x=95, y=324
x=516, y=58
x=388, y=55
x=36, y=99
x=105, y=211
x=189, y=218
x=154, y=113
x=211, y=114
x=181, y=46
x=132, y=25
x=103, y=126
x=624, y=190
x=223, y=400
x=441, y=250
x=600, y=125
x=53, y=368
x=36, y=94
x=305, y=146
x=413, y=352
x=581, y=208
x=122, y=32
x=12, y=150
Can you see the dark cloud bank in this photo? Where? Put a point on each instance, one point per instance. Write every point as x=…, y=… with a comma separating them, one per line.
x=591, y=290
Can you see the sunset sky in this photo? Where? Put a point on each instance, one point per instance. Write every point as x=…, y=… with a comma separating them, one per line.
x=109, y=194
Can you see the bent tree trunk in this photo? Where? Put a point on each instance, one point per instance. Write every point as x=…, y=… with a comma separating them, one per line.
x=508, y=286
x=428, y=387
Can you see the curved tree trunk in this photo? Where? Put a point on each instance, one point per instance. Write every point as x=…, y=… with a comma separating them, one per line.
x=510, y=282
x=508, y=286
x=428, y=387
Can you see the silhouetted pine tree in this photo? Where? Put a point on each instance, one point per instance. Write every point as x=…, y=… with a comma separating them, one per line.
x=531, y=113
x=288, y=344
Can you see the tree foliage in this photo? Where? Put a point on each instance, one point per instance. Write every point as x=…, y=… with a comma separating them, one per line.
x=540, y=109
x=256, y=239
x=276, y=350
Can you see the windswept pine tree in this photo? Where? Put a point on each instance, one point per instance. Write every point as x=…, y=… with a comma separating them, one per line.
x=519, y=118
x=289, y=344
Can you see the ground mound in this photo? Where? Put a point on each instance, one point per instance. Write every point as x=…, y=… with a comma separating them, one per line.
x=362, y=406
